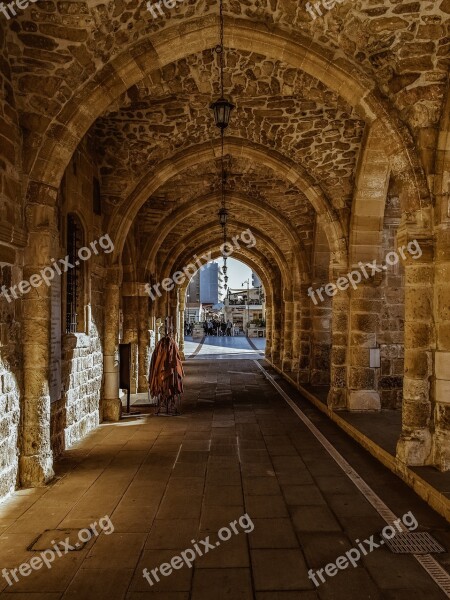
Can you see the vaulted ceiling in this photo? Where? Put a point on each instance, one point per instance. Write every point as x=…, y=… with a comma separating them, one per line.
x=63, y=50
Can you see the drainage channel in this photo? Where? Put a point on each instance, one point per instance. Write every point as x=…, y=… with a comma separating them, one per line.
x=437, y=573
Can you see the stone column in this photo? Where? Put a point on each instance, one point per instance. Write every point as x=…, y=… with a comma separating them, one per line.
x=414, y=447
x=111, y=405
x=36, y=458
x=365, y=315
x=144, y=343
x=182, y=306
x=130, y=335
x=338, y=394
x=441, y=375
x=286, y=335
x=296, y=335
x=321, y=318
x=442, y=294
x=269, y=329
x=174, y=314
x=277, y=331
x=302, y=338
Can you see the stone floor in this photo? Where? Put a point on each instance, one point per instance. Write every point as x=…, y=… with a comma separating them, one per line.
x=164, y=481
x=219, y=347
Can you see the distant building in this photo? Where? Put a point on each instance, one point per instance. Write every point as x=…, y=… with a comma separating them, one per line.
x=204, y=291
x=193, y=290
x=242, y=310
x=256, y=281
x=194, y=312
x=211, y=284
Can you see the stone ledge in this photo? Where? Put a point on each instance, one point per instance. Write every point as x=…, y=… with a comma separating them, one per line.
x=434, y=498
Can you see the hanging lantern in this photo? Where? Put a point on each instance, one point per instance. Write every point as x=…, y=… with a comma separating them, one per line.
x=223, y=216
x=222, y=111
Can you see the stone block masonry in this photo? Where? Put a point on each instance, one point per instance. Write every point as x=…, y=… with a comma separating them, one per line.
x=9, y=391
x=9, y=420
x=77, y=412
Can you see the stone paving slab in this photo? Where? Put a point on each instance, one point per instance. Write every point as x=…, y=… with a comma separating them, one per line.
x=167, y=481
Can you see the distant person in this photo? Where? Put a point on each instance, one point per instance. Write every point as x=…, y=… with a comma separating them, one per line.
x=229, y=327
x=223, y=327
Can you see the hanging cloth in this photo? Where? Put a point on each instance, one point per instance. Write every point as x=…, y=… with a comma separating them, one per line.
x=166, y=375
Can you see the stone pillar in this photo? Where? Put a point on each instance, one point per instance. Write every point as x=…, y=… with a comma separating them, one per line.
x=130, y=335
x=36, y=458
x=365, y=315
x=441, y=375
x=182, y=306
x=144, y=343
x=277, y=331
x=269, y=329
x=302, y=336
x=441, y=361
x=415, y=444
x=338, y=394
x=111, y=405
x=286, y=335
x=296, y=335
x=321, y=314
x=175, y=315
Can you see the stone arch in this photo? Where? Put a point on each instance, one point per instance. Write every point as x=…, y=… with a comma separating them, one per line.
x=204, y=232
x=246, y=259
x=173, y=219
x=122, y=219
x=274, y=282
x=371, y=185
x=67, y=129
x=260, y=270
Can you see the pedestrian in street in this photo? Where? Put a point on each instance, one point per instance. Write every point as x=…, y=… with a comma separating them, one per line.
x=229, y=327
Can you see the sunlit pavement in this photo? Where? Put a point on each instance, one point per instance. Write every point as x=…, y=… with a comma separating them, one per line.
x=223, y=347
x=236, y=448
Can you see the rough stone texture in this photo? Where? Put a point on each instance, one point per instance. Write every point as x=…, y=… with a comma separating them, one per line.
x=403, y=47
x=77, y=411
x=392, y=309
x=337, y=149
x=276, y=106
x=10, y=389
x=11, y=238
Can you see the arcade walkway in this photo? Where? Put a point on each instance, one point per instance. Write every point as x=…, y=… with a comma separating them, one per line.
x=237, y=448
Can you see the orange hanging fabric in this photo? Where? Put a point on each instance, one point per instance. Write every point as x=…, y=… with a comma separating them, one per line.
x=166, y=375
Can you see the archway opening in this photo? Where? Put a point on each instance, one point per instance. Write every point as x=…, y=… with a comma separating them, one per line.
x=225, y=310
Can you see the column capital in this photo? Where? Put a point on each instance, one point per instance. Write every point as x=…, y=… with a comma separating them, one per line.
x=134, y=288
x=114, y=275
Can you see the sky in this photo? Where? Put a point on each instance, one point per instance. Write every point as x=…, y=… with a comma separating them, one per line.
x=237, y=273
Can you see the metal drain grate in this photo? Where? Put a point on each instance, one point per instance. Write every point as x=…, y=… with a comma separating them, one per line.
x=413, y=543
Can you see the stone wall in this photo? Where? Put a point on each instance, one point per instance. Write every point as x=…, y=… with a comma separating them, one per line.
x=77, y=410
x=12, y=239
x=10, y=387
x=321, y=313
x=391, y=336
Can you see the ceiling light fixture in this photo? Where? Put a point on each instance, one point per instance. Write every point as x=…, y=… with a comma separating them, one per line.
x=222, y=112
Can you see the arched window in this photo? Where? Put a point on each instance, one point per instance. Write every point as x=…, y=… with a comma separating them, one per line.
x=74, y=277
